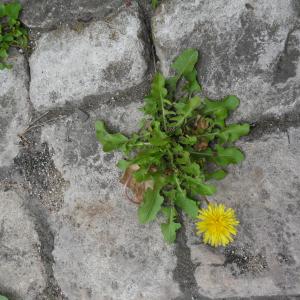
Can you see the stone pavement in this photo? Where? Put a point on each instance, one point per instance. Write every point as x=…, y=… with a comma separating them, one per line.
x=66, y=229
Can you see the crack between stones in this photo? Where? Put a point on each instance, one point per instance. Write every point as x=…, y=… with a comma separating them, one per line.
x=146, y=15
x=184, y=272
x=27, y=164
x=52, y=291
x=273, y=124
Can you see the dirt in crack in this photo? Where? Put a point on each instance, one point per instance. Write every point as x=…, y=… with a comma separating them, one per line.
x=45, y=185
x=46, y=182
x=185, y=269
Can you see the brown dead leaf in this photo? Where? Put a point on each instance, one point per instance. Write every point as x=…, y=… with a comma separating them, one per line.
x=168, y=172
x=202, y=145
x=201, y=123
x=137, y=188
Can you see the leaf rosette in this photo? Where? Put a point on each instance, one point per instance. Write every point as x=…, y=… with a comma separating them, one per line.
x=183, y=145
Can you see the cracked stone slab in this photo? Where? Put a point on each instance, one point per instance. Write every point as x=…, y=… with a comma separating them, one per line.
x=14, y=107
x=264, y=260
x=100, y=250
x=102, y=57
x=48, y=14
x=247, y=48
x=22, y=274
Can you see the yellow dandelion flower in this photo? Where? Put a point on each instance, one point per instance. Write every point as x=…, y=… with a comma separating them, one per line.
x=217, y=224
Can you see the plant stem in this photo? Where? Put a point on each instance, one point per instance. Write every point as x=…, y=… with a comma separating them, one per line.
x=198, y=153
x=163, y=113
x=178, y=184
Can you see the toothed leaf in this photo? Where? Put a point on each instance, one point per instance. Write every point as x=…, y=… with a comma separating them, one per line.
x=188, y=205
x=184, y=64
x=226, y=156
x=217, y=175
x=219, y=110
x=184, y=110
x=233, y=132
x=152, y=202
x=169, y=229
x=109, y=141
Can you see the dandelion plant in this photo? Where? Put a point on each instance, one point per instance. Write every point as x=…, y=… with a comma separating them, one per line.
x=184, y=144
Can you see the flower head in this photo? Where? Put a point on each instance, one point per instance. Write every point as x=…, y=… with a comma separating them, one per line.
x=217, y=224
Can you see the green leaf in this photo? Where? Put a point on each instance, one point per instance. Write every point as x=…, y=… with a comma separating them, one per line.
x=171, y=83
x=8, y=38
x=142, y=174
x=217, y=175
x=12, y=10
x=192, y=85
x=205, y=189
x=109, y=141
x=185, y=62
x=154, y=102
x=184, y=65
x=151, y=204
x=184, y=158
x=222, y=156
x=3, y=53
x=2, y=10
x=198, y=187
x=169, y=229
x=132, y=143
x=148, y=156
x=226, y=156
x=220, y=109
x=158, y=138
x=188, y=205
x=123, y=164
x=184, y=110
x=3, y=298
x=188, y=140
x=154, y=3
x=233, y=132
x=177, y=149
x=5, y=66
x=192, y=169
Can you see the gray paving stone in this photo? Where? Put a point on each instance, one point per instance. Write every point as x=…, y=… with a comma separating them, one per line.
x=102, y=57
x=21, y=270
x=247, y=48
x=14, y=107
x=265, y=258
x=48, y=14
x=100, y=251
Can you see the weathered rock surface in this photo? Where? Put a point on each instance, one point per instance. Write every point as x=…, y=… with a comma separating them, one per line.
x=247, y=48
x=14, y=107
x=21, y=270
x=100, y=250
x=70, y=64
x=265, y=258
x=49, y=14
